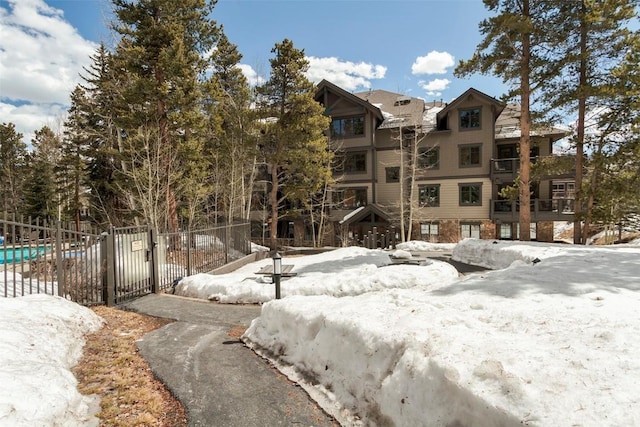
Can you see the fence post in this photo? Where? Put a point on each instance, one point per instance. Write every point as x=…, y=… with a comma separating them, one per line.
x=393, y=237
x=189, y=253
x=375, y=238
x=153, y=258
x=59, y=267
x=108, y=257
x=225, y=239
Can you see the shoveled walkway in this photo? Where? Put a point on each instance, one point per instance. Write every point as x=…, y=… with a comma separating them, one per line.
x=219, y=380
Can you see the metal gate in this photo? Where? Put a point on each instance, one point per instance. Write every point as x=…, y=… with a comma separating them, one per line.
x=131, y=267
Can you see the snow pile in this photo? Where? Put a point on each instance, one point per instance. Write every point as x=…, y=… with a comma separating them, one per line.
x=258, y=248
x=341, y=272
x=496, y=254
x=420, y=246
x=42, y=339
x=550, y=343
x=16, y=285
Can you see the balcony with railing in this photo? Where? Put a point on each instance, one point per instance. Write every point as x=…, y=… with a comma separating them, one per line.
x=554, y=167
x=541, y=210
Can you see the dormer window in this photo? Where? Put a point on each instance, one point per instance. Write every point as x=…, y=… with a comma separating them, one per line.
x=402, y=100
x=469, y=118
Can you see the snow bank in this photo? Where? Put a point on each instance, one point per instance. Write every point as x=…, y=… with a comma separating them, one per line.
x=546, y=344
x=341, y=272
x=42, y=339
x=496, y=254
x=419, y=246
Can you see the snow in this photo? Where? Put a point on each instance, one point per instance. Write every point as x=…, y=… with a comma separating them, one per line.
x=351, y=214
x=341, y=272
x=551, y=342
x=42, y=339
x=419, y=246
x=545, y=343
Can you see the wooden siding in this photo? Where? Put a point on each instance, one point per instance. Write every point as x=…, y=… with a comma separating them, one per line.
x=450, y=200
x=387, y=194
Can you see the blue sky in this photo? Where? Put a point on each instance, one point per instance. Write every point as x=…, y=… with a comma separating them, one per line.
x=409, y=47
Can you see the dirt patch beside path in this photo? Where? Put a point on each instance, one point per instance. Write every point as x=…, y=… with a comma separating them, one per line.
x=112, y=368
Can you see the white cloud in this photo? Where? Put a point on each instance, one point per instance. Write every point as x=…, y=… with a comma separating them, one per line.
x=434, y=63
x=346, y=74
x=252, y=76
x=435, y=87
x=31, y=117
x=41, y=56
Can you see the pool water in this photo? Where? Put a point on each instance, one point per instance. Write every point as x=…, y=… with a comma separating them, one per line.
x=19, y=254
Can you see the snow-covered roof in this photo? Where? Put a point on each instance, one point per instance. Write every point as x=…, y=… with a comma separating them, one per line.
x=508, y=125
x=398, y=110
x=351, y=214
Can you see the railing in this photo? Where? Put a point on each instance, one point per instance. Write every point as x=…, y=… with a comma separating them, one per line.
x=541, y=210
x=510, y=167
x=91, y=268
x=199, y=251
x=374, y=239
x=505, y=166
x=40, y=257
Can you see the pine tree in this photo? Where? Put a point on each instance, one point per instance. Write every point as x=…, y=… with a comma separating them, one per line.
x=293, y=141
x=613, y=181
x=231, y=135
x=101, y=107
x=72, y=168
x=592, y=40
x=514, y=48
x=162, y=53
x=40, y=191
x=12, y=167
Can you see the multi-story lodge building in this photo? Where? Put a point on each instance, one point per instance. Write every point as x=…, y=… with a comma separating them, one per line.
x=448, y=162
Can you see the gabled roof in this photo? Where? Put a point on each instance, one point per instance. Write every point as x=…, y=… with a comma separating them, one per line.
x=326, y=85
x=363, y=212
x=398, y=110
x=508, y=126
x=475, y=93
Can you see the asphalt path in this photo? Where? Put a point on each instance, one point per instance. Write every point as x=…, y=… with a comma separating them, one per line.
x=220, y=381
x=446, y=257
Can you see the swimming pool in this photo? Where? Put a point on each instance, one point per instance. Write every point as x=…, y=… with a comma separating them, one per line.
x=11, y=255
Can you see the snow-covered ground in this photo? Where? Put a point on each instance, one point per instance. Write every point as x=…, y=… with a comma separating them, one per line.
x=341, y=272
x=547, y=343
x=41, y=339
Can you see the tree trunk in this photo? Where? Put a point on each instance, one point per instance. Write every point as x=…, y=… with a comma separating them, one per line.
x=412, y=181
x=525, y=129
x=402, y=179
x=578, y=237
x=273, y=200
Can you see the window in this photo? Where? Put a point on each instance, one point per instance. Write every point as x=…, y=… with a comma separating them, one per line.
x=561, y=190
x=470, y=155
x=402, y=100
x=355, y=161
x=429, y=195
x=471, y=194
x=350, y=198
x=470, y=118
x=429, y=158
x=347, y=127
x=505, y=231
x=429, y=231
x=393, y=174
x=470, y=230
